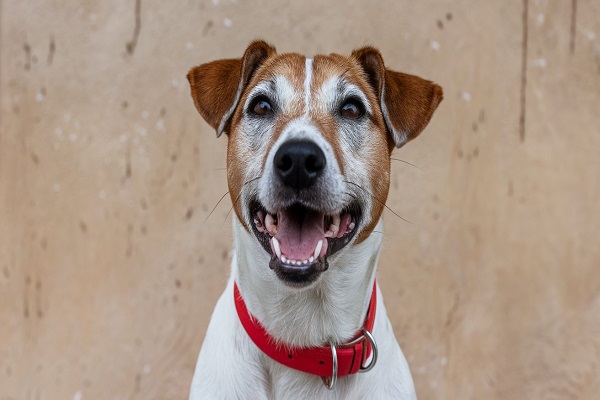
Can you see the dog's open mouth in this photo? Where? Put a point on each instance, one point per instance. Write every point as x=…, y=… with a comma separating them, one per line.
x=300, y=239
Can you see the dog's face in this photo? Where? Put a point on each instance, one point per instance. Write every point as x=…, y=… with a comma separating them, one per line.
x=308, y=158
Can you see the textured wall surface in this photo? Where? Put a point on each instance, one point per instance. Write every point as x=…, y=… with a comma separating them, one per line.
x=109, y=271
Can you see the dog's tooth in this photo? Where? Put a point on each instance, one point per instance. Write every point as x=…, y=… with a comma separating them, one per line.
x=283, y=258
x=351, y=226
x=305, y=262
x=318, y=248
x=335, y=224
x=270, y=224
x=276, y=247
x=259, y=221
x=311, y=259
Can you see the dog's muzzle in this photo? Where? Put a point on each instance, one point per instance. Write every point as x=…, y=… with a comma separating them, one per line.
x=310, y=218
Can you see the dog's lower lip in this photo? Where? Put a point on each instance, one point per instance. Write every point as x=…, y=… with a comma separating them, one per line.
x=298, y=276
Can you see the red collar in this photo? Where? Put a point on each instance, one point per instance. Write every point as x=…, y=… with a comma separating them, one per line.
x=315, y=360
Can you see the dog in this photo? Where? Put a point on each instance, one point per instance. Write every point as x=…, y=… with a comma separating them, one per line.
x=308, y=171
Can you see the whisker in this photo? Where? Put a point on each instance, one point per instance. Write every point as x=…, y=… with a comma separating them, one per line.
x=379, y=201
x=222, y=197
x=220, y=169
x=239, y=196
x=232, y=207
x=406, y=162
x=215, y=207
x=350, y=195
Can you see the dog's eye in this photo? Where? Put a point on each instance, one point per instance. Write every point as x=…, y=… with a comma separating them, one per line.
x=261, y=106
x=352, y=109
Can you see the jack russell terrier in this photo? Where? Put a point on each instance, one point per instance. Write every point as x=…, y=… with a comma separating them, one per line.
x=308, y=170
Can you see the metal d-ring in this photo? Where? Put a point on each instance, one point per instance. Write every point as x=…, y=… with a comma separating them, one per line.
x=329, y=382
x=374, y=349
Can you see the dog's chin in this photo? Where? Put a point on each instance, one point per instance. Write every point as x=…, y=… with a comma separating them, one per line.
x=300, y=240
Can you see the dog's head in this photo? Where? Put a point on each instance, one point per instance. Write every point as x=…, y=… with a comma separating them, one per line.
x=309, y=144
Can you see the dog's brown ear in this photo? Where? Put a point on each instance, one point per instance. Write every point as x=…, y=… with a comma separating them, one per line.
x=217, y=86
x=407, y=101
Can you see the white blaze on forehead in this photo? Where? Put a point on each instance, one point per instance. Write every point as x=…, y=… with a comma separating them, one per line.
x=307, y=81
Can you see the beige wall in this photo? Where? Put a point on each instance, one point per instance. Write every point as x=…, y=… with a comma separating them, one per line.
x=109, y=271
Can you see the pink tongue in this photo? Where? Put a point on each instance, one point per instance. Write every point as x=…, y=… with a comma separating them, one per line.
x=298, y=232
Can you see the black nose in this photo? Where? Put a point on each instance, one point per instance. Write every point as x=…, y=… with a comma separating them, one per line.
x=299, y=163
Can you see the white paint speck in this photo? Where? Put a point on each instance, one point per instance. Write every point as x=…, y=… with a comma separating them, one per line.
x=72, y=137
x=189, y=45
x=67, y=117
x=56, y=187
x=102, y=195
x=39, y=97
x=147, y=369
x=434, y=45
x=540, y=18
x=591, y=35
x=16, y=98
x=433, y=384
x=93, y=17
x=175, y=83
x=160, y=125
x=443, y=361
x=539, y=95
x=59, y=133
x=215, y=2
x=142, y=131
x=540, y=62
x=123, y=138
x=421, y=370
x=145, y=114
x=77, y=395
x=466, y=96
x=227, y=22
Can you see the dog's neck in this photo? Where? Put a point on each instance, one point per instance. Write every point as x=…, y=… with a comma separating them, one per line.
x=333, y=310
